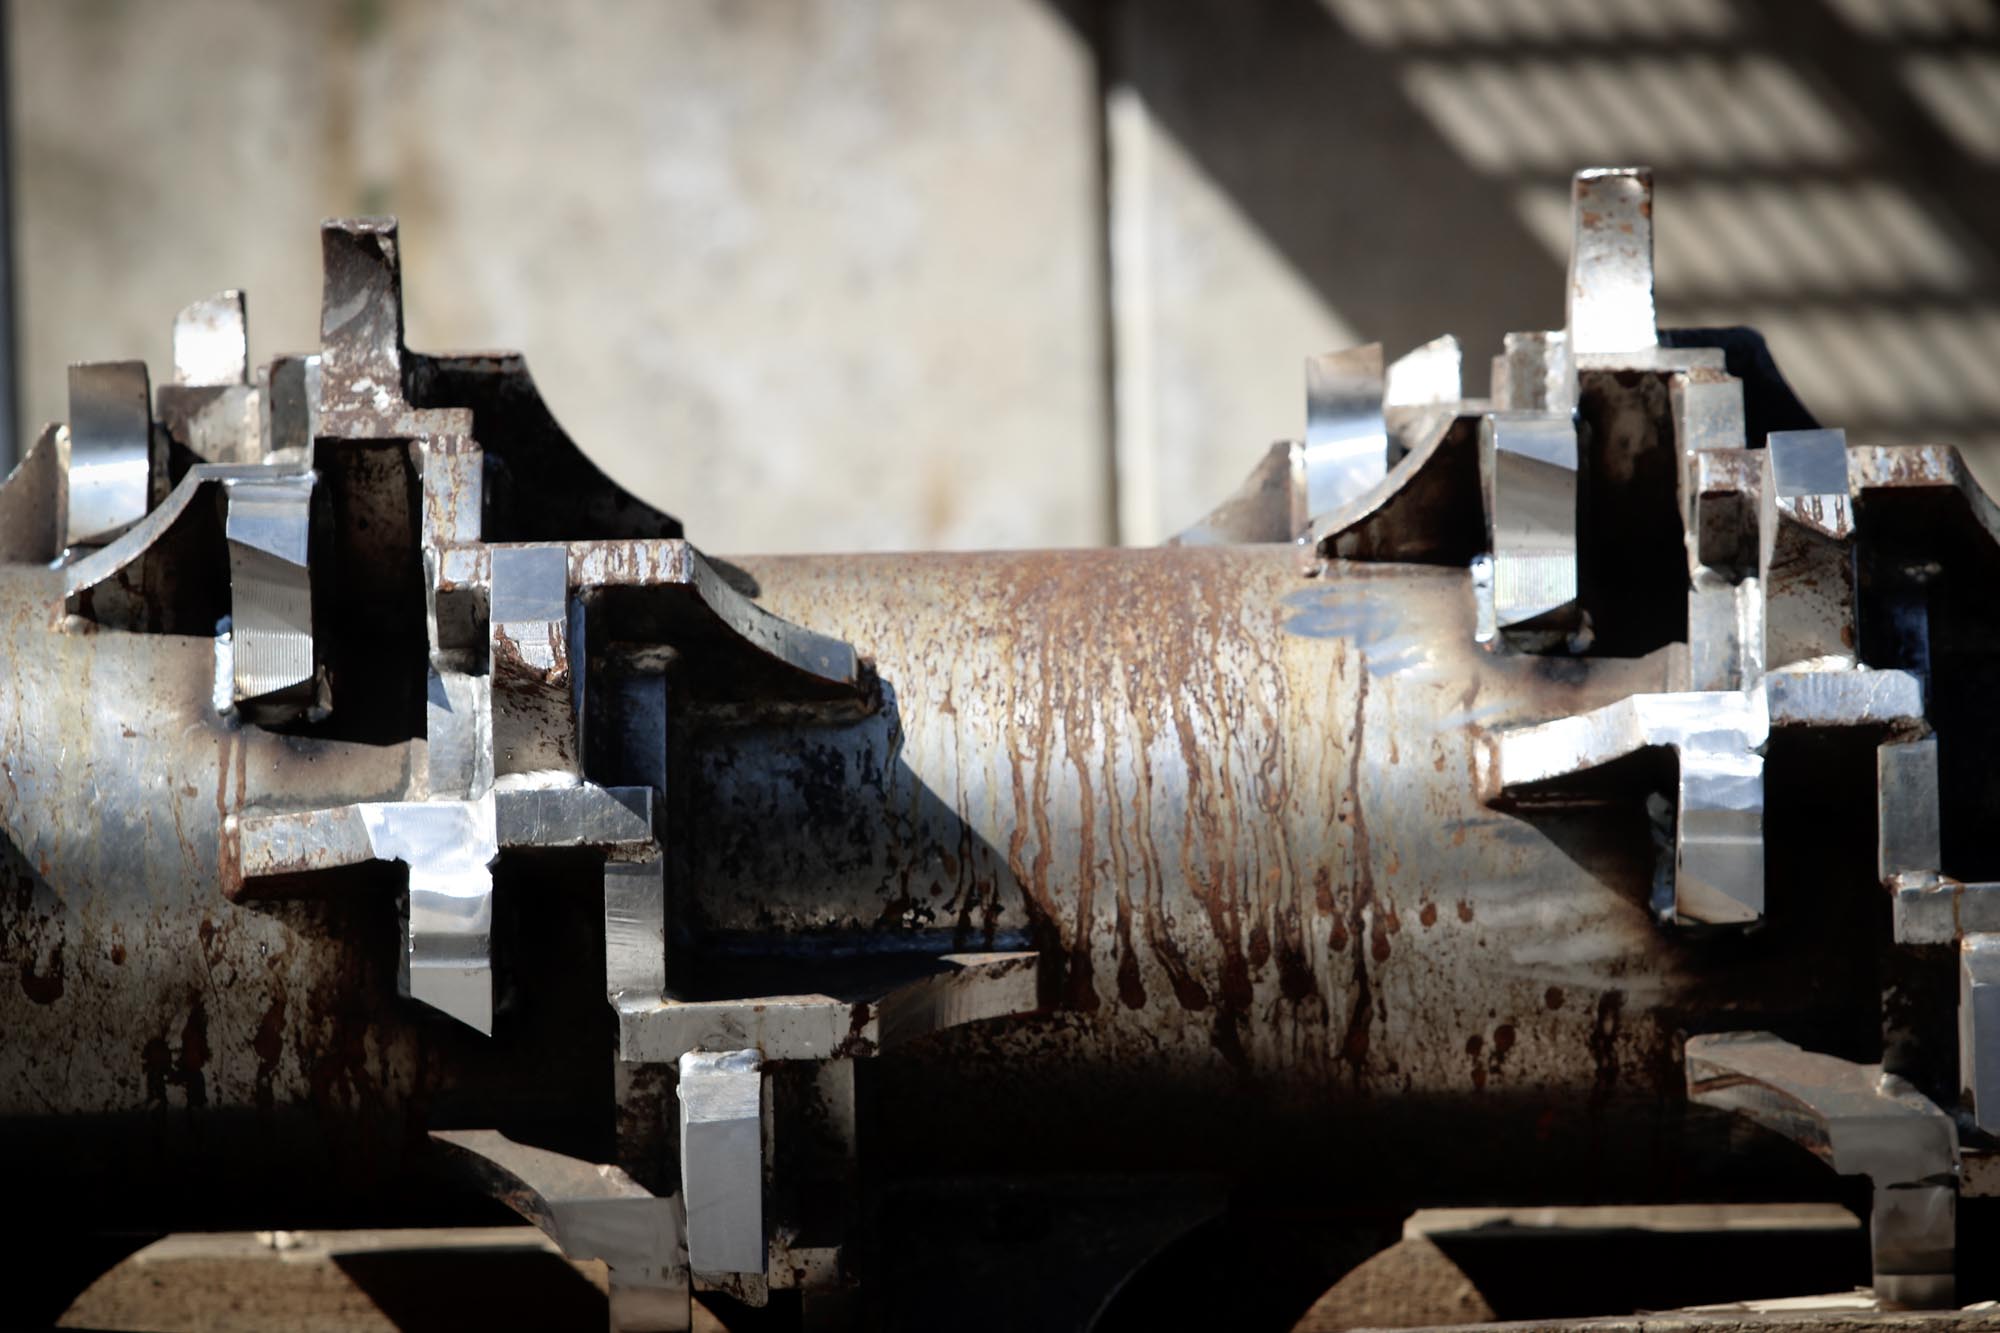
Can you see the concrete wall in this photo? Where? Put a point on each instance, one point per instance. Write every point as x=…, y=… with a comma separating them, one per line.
x=822, y=274
x=810, y=276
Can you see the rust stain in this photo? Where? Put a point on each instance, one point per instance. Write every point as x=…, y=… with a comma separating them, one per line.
x=182, y=1066
x=268, y=1044
x=194, y=1039
x=43, y=987
x=1295, y=974
x=1361, y=893
x=1603, y=1045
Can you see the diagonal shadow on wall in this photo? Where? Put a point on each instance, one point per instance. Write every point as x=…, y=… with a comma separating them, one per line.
x=1309, y=121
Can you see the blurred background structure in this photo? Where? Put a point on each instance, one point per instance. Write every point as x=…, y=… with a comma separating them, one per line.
x=900, y=273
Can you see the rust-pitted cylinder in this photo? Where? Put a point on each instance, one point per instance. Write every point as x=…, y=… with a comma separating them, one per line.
x=1241, y=805
x=1238, y=809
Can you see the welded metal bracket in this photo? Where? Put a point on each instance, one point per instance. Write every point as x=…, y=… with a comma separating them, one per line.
x=449, y=847
x=1718, y=739
x=1528, y=475
x=34, y=501
x=1860, y=1121
x=210, y=411
x=1347, y=442
x=864, y=1019
x=273, y=656
x=1361, y=421
x=1807, y=526
x=1496, y=487
x=110, y=449
x=590, y=1211
x=721, y=1096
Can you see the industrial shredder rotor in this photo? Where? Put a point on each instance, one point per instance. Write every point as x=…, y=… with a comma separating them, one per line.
x=1573, y=794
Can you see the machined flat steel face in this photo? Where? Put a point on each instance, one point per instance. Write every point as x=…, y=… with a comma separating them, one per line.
x=1719, y=835
x=635, y=930
x=1429, y=374
x=1533, y=373
x=1911, y=841
x=1529, y=463
x=268, y=527
x=1945, y=911
x=1979, y=1026
x=294, y=388
x=449, y=847
x=1347, y=444
x=534, y=655
x=361, y=319
x=1725, y=632
x=1707, y=411
x=458, y=727
x=34, y=502
x=1268, y=507
x=529, y=583
x=212, y=342
x=1809, y=462
x=722, y=1161
x=1611, y=262
x=110, y=448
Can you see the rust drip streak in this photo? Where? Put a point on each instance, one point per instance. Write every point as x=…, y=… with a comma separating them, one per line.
x=1361, y=895
x=1131, y=985
x=1188, y=990
x=1083, y=989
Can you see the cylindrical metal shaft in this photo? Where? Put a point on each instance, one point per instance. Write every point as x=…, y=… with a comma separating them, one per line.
x=1238, y=808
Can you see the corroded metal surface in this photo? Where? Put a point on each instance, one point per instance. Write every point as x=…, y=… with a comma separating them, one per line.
x=199, y=1039
x=1237, y=808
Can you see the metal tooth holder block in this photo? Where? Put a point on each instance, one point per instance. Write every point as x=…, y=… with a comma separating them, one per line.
x=1861, y=1121
x=1979, y=1026
x=1611, y=261
x=1347, y=443
x=273, y=655
x=1528, y=463
x=1808, y=522
x=110, y=448
x=722, y=1161
x=535, y=654
x=449, y=847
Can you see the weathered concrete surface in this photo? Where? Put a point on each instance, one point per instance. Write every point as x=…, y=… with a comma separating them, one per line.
x=810, y=277
x=1212, y=327
x=1278, y=195
x=1412, y=1284
x=1806, y=1320
x=345, y=1282
x=826, y=277
x=1293, y=175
